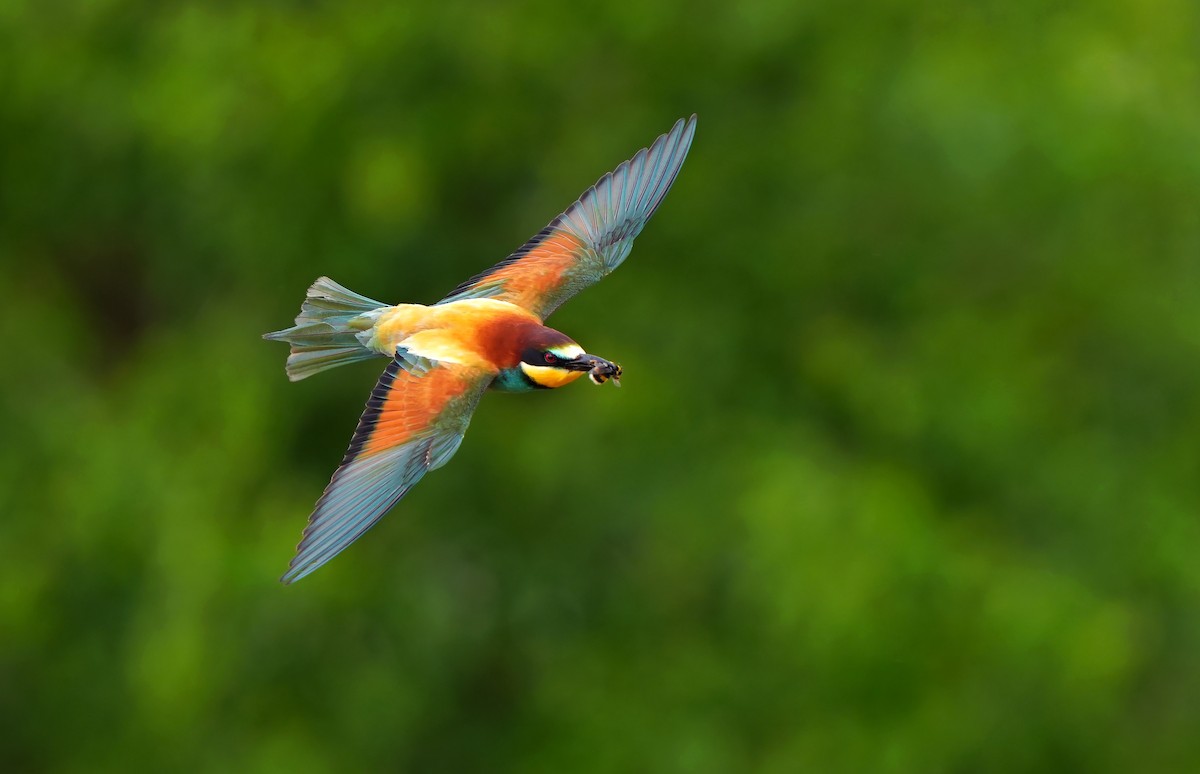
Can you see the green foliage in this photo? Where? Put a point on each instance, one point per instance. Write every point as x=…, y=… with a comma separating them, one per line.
x=904, y=474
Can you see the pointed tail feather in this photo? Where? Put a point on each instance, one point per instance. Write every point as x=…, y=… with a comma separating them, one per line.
x=326, y=331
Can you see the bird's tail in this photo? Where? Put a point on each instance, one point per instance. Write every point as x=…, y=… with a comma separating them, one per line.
x=326, y=331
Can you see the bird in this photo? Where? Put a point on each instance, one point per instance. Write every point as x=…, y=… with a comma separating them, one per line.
x=488, y=333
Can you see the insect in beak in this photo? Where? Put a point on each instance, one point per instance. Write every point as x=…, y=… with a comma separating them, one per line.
x=598, y=369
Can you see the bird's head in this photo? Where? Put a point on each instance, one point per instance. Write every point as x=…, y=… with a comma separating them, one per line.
x=551, y=360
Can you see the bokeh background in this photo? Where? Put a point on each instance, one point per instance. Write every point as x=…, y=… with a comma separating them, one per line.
x=904, y=475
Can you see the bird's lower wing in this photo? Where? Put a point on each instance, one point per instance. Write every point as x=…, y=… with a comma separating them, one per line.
x=413, y=423
x=592, y=237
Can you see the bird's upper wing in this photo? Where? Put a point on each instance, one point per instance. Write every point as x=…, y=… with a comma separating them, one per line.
x=413, y=423
x=592, y=237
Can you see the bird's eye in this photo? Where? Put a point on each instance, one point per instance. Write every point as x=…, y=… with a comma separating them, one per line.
x=550, y=358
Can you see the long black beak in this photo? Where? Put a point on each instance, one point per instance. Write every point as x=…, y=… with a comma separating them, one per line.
x=599, y=370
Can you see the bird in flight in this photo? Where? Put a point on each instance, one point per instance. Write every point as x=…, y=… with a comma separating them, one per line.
x=488, y=333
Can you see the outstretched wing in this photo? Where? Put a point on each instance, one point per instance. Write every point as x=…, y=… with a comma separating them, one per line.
x=592, y=237
x=413, y=423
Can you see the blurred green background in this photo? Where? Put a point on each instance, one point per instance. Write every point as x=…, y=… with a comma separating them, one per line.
x=904, y=475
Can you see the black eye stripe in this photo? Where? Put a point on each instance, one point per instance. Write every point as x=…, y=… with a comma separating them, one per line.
x=540, y=357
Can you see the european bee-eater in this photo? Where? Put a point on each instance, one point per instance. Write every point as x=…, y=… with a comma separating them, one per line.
x=488, y=333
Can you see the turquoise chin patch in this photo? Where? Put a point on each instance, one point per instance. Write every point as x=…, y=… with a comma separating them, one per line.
x=513, y=380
